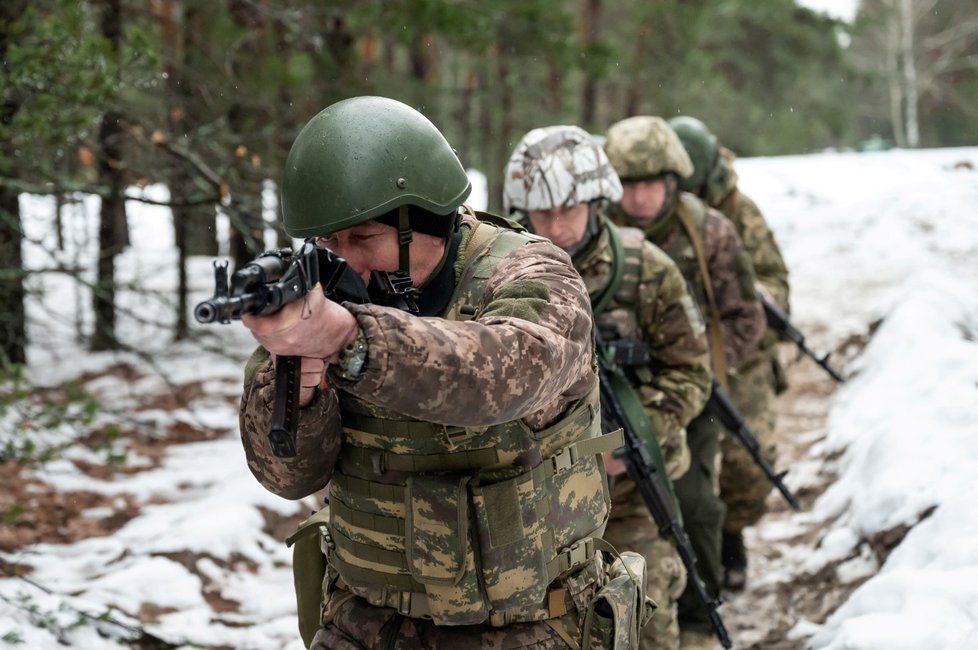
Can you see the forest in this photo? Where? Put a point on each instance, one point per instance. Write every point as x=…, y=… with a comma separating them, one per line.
x=103, y=95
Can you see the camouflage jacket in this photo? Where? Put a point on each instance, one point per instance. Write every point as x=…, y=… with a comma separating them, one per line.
x=527, y=355
x=742, y=319
x=654, y=306
x=759, y=241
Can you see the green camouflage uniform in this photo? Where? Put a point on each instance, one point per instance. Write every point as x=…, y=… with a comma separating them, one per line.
x=491, y=553
x=743, y=486
x=653, y=306
x=743, y=324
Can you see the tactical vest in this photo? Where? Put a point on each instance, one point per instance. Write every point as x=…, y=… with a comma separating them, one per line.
x=467, y=525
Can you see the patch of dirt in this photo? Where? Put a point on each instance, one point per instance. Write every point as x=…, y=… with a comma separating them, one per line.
x=33, y=512
x=760, y=617
x=211, y=590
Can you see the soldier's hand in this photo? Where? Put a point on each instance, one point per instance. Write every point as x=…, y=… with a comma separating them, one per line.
x=310, y=379
x=613, y=466
x=313, y=327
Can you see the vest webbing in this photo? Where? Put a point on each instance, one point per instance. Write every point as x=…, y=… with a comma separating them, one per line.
x=717, y=353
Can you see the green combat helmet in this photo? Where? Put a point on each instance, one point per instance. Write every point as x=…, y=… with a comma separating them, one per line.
x=702, y=147
x=644, y=147
x=364, y=157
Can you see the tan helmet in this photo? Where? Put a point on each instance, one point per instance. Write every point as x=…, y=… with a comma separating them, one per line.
x=558, y=166
x=645, y=146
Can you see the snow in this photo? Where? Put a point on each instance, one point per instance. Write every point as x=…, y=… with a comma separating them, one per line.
x=892, y=236
x=844, y=10
x=886, y=236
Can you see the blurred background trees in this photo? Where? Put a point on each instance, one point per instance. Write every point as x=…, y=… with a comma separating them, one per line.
x=206, y=98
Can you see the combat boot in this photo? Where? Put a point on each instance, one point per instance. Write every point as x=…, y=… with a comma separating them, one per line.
x=690, y=640
x=734, y=557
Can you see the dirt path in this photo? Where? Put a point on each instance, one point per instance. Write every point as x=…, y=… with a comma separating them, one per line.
x=779, y=592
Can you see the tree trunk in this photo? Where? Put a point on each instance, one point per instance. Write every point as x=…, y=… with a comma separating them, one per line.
x=13, y=335
x=633, y=96
x=590, y=28
x=112, y=217
x=893, y=78
x=909, y=73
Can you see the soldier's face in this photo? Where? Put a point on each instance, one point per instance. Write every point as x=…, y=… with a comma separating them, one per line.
x=563, y=226
x=644, y=199
x=373, y=246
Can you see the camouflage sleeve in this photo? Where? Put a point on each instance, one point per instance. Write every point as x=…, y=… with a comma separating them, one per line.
x=676, y=335
x=526, y=355
x=317, y=438
x=760, y=244
x=741, y=314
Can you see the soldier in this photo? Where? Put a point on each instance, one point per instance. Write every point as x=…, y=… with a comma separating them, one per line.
x=460, y=443
x=650, y=161
x=743, y=486
x=559, y=180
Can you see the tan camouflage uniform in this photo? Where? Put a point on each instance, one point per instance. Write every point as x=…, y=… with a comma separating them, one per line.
x=743, y=324
x=675, y=390
x=754, y=384
x=521, y=362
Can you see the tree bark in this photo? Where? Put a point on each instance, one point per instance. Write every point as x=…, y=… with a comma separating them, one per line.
x=13, y=334
x=590, y=28
x=112, y=217
x=909, y=73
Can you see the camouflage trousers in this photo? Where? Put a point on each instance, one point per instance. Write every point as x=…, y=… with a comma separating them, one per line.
x=743, y=486
x=631, y=528
x=358, y=625
x=703, y=514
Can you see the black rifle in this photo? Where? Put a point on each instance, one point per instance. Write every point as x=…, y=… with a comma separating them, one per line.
x=264, y=286
x=778, y=321
x=651, y=484
x=733, y=421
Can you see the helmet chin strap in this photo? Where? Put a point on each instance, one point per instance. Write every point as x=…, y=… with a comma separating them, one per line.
x=404, y=237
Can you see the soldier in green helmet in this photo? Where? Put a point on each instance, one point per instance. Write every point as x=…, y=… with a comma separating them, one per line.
x=559, y=182
x=651, y=161
x=461, y=444
x=743, y=486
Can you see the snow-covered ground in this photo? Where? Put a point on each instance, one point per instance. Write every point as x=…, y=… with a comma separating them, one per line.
x=867, y=236
x=892, y=236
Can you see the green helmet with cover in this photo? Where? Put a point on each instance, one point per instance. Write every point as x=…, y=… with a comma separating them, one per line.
x=364, y=157
x=645, y=146
x=702, y=147
x=558, y=166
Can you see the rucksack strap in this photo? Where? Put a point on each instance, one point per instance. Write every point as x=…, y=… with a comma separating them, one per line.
x=717, y=354
x=600, y=301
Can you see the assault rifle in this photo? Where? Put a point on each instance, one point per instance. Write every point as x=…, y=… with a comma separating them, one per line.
x=652, y=484
x=273, y=280
x=778, y=321
x=733, y=421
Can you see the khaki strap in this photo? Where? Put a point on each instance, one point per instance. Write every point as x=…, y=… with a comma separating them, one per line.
x=400, y=428
x=379, y=461
x=366, y=520
x=574, y=556
x=717, y=353
x=563, y=633
x=356, y=573
x=568, y=456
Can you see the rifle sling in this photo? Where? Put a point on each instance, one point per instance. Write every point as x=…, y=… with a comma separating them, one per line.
x=717, y=354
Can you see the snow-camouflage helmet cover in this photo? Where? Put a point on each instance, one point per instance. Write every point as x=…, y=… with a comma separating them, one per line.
x=558, y=166
x=645, y=146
